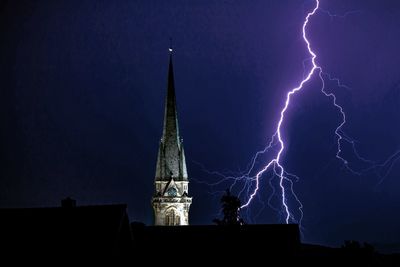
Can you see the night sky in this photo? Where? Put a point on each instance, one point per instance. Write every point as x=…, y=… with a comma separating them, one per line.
x=82, y=86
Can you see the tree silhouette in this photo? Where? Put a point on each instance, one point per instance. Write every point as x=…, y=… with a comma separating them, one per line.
x=230, y=208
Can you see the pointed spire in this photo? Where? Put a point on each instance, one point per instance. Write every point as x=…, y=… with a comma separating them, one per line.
x=170, y=129
x=170, y=162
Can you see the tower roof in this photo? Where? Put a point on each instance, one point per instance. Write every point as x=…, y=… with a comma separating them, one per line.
x=171, y=159
x=170, y=129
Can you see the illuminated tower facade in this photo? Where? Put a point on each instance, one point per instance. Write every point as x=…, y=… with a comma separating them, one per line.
x=171, y=201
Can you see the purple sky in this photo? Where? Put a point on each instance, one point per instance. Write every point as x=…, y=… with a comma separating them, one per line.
x=82, y=93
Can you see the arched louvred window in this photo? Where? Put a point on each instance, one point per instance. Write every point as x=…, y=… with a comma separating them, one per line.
x=172, y=218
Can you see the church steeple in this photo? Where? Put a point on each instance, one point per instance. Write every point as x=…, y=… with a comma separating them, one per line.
x=170, y=129
x=171, y=201
x=171, y=157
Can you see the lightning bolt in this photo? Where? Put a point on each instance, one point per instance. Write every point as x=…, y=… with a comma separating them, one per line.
x=341, y=137
x=276, y=141
x=276, y=144
x=276, y=161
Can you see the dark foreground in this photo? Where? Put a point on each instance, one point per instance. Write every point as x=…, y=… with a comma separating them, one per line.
x=102, y=234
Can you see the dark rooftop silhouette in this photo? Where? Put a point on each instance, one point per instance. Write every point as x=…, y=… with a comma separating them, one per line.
x=102, y=233
x=98, y=232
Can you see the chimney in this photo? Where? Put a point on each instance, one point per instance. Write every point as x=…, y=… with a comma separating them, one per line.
x=68, y=203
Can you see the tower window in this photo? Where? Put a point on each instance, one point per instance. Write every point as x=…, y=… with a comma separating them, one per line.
x=172, y=218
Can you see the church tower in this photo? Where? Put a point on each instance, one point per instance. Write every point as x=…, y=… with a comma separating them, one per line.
x=171, y=201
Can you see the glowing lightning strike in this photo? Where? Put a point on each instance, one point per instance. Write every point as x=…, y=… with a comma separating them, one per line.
x=276, y=160
x=340, y=135
x=275, y=165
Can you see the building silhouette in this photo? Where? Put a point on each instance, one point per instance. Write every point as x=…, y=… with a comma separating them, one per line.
x=66, y=233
